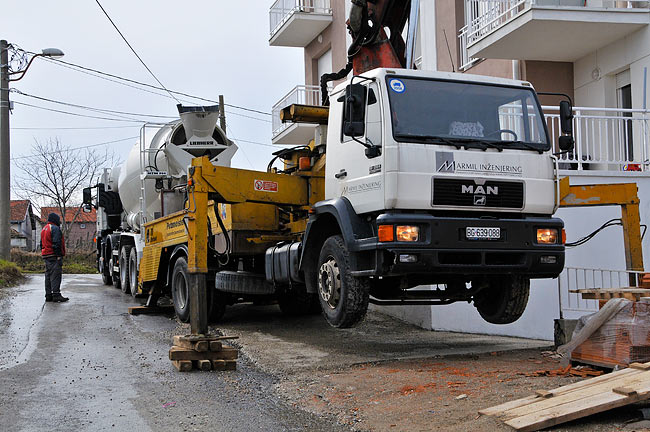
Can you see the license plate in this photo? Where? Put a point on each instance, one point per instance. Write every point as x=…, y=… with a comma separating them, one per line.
x=482, y=233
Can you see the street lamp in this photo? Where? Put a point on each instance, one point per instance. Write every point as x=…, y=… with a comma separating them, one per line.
x=6, y=77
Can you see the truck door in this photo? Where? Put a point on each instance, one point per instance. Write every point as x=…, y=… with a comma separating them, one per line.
x=357, y=177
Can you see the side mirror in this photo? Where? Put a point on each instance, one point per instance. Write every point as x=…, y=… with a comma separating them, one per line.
x=566, y=118
x=87, y=196
x=355, y=110
x=565, y=143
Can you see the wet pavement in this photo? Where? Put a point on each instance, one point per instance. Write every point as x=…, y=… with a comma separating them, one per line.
x=88, y=365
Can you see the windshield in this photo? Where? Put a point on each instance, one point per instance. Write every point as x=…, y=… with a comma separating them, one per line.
x=462, y=113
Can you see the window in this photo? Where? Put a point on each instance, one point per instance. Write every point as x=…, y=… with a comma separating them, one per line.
x=82, y=226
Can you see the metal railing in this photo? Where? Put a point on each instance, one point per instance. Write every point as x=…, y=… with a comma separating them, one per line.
x=484, y=16
x=302, y=94
x=573, y=305
x=612, y=139
x=282, y=10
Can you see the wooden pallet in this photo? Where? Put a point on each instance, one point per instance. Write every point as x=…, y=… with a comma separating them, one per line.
x=202, y=353
x=633, y=294
x=552, y=407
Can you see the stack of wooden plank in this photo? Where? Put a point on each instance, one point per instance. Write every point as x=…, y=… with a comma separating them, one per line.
x=203, y=353
x=552, y=407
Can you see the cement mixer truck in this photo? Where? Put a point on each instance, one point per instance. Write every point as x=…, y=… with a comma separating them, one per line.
x=150, y=185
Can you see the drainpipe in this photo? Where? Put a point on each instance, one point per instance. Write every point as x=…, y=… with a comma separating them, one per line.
x=515, y=70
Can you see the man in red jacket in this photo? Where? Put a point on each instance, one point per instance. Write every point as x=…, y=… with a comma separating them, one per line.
x=53, y=251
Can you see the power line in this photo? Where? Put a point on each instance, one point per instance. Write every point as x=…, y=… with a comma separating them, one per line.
x=77, y=114
x=133, y=50
x=74, y=128
x=76, y=148
x=87, y=69
x=103, y=110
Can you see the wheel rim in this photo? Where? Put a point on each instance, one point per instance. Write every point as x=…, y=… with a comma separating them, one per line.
x=123, y=270
x=329, y=282
x=180, y=290
x=133, y=276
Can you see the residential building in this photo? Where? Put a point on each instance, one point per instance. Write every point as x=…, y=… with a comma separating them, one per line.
x=24, y=225
x=81, y=227
x=595, y=51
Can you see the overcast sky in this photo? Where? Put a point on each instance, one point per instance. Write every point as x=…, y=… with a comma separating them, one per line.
x=203, y=48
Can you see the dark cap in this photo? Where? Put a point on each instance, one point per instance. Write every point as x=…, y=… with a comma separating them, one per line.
x=54, y=218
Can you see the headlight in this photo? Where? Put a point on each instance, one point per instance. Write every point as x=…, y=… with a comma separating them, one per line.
x=407, y=233
x=547, y=236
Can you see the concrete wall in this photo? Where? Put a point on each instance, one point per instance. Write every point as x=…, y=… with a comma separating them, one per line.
x=334, y=38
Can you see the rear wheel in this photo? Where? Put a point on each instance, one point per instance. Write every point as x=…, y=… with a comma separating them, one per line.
x=181, y=290
x=133, y=272
x=343, y=298
x=106, y=272
x=115, y=277
x=125, y=283
x=504, y=299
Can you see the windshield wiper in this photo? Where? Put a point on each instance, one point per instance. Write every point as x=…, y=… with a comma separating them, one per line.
x=526, y=145
x=431, y=139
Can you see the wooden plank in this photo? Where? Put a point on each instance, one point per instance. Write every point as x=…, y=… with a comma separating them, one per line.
x=200, y=346
x=577, y=386
x=544, y=393
x=580, y=408
x=221, y=365
x=567, y=398
x=640, y=366
x=196, y=338
x=204, y=365
x=215, y=346
x=576, y=400
x=148, y=310
x=182, y=365
x=226, y=353
x=625, y=391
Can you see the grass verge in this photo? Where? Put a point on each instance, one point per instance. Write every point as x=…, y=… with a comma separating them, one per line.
x=73, y=262
x=10, y=274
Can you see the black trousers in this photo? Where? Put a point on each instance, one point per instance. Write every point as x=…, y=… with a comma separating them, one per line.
x=53, y=270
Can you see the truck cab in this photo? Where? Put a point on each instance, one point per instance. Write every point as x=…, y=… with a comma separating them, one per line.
x=440, y=179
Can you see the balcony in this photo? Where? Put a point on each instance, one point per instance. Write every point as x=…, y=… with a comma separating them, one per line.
x=607, y=139
x=295, y=23
x=295, y=133
x=552, y=30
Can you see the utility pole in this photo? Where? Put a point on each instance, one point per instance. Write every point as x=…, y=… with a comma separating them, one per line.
x=222, y=115
x=5, y=178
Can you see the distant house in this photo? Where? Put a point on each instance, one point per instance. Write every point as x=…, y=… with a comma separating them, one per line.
x=24, y=225
x=81, y=226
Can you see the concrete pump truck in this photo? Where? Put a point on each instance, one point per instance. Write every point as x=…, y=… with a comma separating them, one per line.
x=413, y=178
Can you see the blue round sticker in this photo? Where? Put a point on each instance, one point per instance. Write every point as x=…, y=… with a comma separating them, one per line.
x=397, y=85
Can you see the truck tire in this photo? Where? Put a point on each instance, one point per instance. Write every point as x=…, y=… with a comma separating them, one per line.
x=242, y=282
x=107, y=277
x=297, y=301
x=504, y=300
x=124, y=269
x=133, y=272
x=181, y=290
x=114, y=277
x=343, y=298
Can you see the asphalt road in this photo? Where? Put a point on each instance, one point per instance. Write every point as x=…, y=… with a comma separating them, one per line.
x=88, y=365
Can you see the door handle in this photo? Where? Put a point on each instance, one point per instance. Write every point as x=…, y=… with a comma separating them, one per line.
x=341, y=174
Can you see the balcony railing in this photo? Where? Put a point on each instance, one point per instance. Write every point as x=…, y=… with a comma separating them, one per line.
x=282, y=10
x=302, y=94
x=613, y=139
x=484, y=16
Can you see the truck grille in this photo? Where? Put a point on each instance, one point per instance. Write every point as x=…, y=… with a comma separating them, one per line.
x=465, y=192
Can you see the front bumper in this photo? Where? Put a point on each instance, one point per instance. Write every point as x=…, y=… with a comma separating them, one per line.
x=443, y=248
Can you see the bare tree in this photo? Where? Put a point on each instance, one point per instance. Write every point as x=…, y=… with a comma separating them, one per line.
x=54, y=175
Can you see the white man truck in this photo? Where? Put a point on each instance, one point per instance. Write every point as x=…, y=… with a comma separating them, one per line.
x=418, y=188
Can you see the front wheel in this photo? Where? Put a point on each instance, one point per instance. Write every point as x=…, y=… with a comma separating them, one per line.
x=343, y=298
x=181, y=290
x=125, y=283
x=504, y=299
